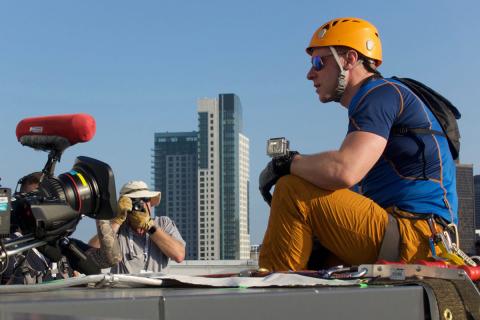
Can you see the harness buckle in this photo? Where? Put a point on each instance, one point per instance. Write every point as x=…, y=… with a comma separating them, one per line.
x=450, y=252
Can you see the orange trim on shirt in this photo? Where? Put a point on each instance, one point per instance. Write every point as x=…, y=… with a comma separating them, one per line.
x=354, y=123
x=382, y=84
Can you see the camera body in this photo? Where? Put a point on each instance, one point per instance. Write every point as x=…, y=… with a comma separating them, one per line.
x=52, y=211
x=138, y=204
x=277, y=147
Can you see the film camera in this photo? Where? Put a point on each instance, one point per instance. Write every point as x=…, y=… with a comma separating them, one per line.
x=49, y=214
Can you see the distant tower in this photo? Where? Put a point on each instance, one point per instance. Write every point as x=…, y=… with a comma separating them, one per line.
x=223, y=180
x=466, y=208
x=476, y=188
x=175, y=175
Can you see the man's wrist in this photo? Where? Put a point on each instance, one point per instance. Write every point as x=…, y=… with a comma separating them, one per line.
x=281, y=165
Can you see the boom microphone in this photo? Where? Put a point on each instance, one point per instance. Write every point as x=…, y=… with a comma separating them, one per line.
x=55, y=132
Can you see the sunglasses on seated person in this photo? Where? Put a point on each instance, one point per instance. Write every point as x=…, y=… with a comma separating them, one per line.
x=317, y=62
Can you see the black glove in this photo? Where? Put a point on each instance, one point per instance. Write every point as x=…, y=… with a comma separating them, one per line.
x=275, y=169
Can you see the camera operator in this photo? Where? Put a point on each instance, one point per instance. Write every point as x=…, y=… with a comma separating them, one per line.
x=32, y=266
x=30, y=182
x=146, y=244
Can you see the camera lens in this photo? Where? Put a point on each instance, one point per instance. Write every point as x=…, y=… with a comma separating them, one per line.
x=138, y=204
x=89, y=188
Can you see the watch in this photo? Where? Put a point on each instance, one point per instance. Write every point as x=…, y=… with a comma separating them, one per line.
x=152, y=230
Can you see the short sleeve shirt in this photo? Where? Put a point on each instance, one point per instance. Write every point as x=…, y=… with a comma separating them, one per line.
x=139, y=252
x=415, y=173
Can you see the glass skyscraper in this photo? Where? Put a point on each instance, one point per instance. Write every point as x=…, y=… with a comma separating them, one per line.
x=175, y=175
x=211, y=168
x=223, y=180
x=466, y=208
x=476, y=187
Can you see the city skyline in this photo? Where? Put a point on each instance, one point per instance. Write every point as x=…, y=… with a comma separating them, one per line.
x=204, y=176
x=140, y=68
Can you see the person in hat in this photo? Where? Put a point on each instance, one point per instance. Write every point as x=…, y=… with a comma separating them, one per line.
x=146, y=243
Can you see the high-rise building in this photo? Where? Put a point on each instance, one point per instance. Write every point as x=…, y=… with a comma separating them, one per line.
x=466, y=207
x=223, y=180
x=204, y=179
x=175, y=175
x=476, y=189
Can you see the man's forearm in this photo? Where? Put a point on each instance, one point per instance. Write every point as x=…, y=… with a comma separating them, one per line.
x=95, y=242
x=325, y=170
x=109, y=252
x=333, y=170
x=170, y=246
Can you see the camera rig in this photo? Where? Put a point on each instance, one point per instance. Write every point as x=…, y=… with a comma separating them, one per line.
x=49, y=214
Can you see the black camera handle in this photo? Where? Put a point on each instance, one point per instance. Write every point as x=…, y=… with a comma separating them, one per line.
x=18, y=245
x=54, y=156
x=12, y=247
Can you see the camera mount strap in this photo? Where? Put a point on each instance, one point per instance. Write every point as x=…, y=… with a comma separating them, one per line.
x=146, y=247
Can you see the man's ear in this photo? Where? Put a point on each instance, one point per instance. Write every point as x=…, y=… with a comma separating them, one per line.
x=351, y=59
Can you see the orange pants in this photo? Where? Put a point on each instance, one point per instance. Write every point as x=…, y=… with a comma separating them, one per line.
x=350, y=226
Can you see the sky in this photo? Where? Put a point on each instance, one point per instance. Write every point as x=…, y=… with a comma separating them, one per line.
x=139, y=67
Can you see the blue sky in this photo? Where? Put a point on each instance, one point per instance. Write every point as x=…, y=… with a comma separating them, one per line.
x=139, y=67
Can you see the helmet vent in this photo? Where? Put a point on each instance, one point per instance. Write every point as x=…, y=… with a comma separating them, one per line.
x=322, y=32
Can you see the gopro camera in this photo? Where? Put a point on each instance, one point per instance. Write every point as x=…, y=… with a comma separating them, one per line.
x=277, y=147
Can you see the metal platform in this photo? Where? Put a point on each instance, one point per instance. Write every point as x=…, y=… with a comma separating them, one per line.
x=221, y=303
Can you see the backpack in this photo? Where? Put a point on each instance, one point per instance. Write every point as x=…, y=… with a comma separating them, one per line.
x=443, y=110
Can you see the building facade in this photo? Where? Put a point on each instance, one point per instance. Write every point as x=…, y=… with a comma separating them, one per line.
x=204, y=180
x=466, y=207
x=175, y=175
x=223, y=180
x=476, y=189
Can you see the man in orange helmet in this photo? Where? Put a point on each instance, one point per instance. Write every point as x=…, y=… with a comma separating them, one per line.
x=405, y=183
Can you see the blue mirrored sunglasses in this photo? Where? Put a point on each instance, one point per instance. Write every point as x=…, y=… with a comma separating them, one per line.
x=317, y=62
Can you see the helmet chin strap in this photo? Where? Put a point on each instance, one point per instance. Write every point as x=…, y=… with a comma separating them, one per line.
x=341, y=77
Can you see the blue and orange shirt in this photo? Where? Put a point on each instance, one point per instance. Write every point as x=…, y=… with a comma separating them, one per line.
x=415, y=173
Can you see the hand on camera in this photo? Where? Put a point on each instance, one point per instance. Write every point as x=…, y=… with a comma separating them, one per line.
x=148, y=224
x=275, y=169
x=124, y=207
x=140, y=220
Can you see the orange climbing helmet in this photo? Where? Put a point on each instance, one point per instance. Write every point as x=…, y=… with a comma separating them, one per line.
x=354, y=33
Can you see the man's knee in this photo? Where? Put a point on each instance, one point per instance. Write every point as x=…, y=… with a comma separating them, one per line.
x=291, y=184
x=289, y=181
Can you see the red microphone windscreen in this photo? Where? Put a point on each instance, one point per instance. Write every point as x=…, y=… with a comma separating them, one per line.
x=48, y=130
